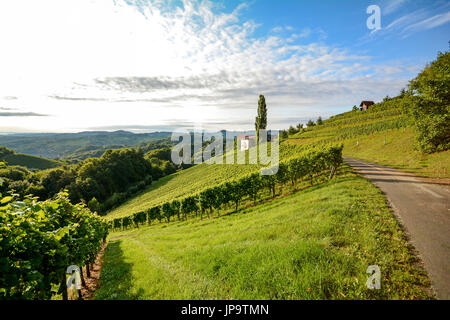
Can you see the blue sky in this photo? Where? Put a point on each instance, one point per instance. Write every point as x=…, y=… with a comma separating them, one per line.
x=146, y=65
x=343, y=24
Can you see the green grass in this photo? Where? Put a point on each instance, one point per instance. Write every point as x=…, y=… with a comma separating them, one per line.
x=31, y=162
x=371, y=128
x=179, y=185
x=398, y=152
x=313, y=244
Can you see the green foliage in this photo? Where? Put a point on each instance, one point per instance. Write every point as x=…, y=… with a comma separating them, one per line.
x=261, y=119
x=310, y=163
x=312, y=244
x=310, y=124
x=319, y=121
x=94, y=205
x=292, y=130
x=71, y=145
x=161, y=154
x=39, y=240
x=431, y=105
x=25, y=160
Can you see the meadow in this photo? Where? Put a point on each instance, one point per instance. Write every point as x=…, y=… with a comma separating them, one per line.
x=31, y=162
x=312, y=244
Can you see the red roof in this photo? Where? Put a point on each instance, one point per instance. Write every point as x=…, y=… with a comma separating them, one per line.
x=367, y=103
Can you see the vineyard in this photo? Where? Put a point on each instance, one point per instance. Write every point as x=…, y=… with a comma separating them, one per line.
x=313, y=243
x=307, y=165
x=381, y=134
x=190, y=181
x=380, y=117
x=39, y=240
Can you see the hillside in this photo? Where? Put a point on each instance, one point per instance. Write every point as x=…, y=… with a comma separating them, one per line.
x=284, y=247
x=31, y=162
x=59, y=145
x=313, y=244
x=188, y=181
x=381, y=134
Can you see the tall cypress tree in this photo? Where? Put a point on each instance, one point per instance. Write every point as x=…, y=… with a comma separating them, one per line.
x=261, y=119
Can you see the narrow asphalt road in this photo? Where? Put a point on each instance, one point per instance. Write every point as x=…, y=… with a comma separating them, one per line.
x=423, y=208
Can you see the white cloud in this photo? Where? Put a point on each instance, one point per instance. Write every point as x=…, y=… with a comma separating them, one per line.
x=103, y=63
x=429, y=23
x=422, y=19
x=392, y=6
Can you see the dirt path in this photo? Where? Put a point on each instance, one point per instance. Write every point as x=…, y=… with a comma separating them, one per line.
x=423, y=207
x=93, y=282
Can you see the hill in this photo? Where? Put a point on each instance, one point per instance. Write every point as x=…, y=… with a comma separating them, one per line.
x=382, y=134
x=189, y=181
x=31, y=162
x=315, y=243
x=60, y=145
x=312, y=244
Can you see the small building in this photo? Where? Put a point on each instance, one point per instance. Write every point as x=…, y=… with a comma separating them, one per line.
x=365, y=105
x=246, y=141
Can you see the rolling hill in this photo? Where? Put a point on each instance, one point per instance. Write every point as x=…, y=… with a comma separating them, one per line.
x=59, y=145
x=25, y=160
x=381, y=134
x=312, y=243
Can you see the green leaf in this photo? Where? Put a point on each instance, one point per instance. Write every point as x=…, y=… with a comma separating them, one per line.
x=6, y=199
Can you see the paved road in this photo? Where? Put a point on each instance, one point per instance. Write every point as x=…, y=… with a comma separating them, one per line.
x=423, y=207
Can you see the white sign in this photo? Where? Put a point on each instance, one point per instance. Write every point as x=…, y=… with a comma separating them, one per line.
x=244, y=145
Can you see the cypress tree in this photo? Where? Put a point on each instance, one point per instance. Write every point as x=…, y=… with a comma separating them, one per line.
x=261, y=119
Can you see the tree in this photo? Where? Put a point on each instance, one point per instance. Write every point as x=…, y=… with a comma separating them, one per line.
x=403, y=93
x=300, y=127
x=261, y=119
x=237, y=192
x=292, y=130
x=319, y=121
x=167, y=210
x=284, y=134
x=94, y=205
x=189, y=205
x=355, y=108
x=310, y=124
x=430, y=109
x=176, y=205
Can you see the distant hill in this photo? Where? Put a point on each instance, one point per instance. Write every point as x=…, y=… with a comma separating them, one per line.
x=61, y=145
x=89, y=152
x=25, y=160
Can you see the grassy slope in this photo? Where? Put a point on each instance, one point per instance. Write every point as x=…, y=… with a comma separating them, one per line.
x=180, y=184
x=31, y=162
x=313, y=244
x=399, y=151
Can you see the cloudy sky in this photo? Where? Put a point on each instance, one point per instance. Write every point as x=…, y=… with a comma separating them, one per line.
x=143, y=65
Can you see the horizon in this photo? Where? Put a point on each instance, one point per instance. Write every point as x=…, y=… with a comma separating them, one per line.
x=147, y=66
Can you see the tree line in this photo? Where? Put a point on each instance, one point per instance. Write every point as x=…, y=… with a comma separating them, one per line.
x=307, y=165
x=102, y=183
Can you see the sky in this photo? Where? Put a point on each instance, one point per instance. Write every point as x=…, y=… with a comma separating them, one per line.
x=151, y=65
